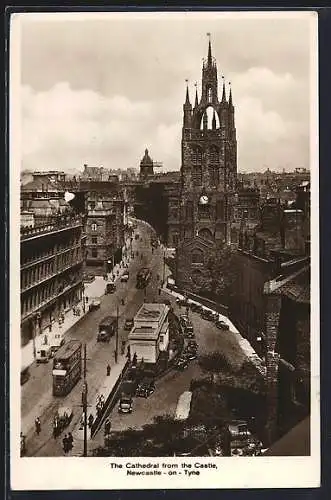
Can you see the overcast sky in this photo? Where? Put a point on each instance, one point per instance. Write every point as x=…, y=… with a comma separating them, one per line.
x=99, y=91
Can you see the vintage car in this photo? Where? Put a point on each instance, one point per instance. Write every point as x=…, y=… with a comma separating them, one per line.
x=182, y=363
x=94, y=304
x=125, y=277
x=145, y=388
x=222, y=325
x=128, y=324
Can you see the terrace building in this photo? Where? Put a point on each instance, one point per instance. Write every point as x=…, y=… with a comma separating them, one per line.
x=52, y=265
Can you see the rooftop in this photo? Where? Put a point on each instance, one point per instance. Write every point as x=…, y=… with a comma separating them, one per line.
x=151, y=312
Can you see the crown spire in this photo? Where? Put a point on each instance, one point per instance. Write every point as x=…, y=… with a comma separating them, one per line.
x=223, y=93
x=196, y=95
x=209, y=51
x=230, y=95
x=187, y=100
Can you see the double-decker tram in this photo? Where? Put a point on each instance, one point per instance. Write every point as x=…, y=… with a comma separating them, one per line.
x=67, y=367
x=143, y=277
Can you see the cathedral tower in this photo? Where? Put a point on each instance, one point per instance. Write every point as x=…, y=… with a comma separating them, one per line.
x=208, y=172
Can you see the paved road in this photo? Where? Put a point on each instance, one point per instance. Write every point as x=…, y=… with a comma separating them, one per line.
x=170, y=387
x=37, y=399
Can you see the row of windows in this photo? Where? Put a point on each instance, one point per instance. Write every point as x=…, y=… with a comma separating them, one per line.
x=30, y=255
x=38, y=297
x=212, y=154
x=45, y=269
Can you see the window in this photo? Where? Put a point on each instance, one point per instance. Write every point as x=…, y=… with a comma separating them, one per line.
x=175, y=239
x=189, y=210
x=92, y=205
x=93, y=226
x=213, y=154
x=197, y=256
x=214, y=175
x=94, y=240
x=197, y=175
x=94, y=253
x=196, y=156
x=210, y=94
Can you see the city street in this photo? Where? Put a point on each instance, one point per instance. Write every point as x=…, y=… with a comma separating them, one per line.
x=37, y=399
x=171, y=386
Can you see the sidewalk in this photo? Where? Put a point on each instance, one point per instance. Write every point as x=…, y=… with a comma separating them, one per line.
x=96, y=289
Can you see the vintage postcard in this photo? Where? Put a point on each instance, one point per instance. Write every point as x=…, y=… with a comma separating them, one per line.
x=164, y=258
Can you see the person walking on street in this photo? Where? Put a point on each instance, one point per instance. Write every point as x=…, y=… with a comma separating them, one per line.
x=70, y=441
x=90, y=420
x=38, y=425
x=65, y=444
x=108, y=370
x=107, y=427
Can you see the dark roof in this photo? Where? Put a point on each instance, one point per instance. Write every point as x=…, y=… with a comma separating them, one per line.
x=298, y=289
x=295, y=443
x=43, y=184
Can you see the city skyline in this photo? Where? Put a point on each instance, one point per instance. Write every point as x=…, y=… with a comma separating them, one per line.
x=76, y=109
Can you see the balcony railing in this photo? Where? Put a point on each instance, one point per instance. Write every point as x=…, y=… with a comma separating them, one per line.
x=61, y=225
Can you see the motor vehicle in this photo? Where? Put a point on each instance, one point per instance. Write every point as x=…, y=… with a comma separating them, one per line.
x=110, y=288
x=199, y=308
x=182, y=364
x=191, y=355
x=145, y=388
x=125, y=277
x=107, y=328
x=94, y=304
x=125, y=404
x=215, y=316
x=88, y=278
x=128, y=324
x=222, y=325
x=43, y=354
x=207, y=314
x=194, y=306
x=25, y=375
x=192, y=344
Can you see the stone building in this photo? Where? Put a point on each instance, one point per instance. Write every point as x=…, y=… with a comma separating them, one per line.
x=44, y=196
x=105, y=222
x=208, y=178
x=52, y=266
x=245, y=210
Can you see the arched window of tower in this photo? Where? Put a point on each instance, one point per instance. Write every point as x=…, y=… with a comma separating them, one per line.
x=210, y=112
x=210, y=95
x=196, y=156
x=206, y=234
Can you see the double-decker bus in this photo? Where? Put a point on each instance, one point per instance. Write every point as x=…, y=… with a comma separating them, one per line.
x=67, y=367
x=143, y=277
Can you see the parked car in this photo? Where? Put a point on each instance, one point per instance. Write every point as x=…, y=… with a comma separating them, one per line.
x=128, y=324
x=215, y=316
x=181, y=302
x=207, y=314
x=125, y=277
x=110, y=288
x=125, y=404
x=194, y=306
x=94, y=304
x=192, y=344
x=182, y=364
x=222, y=325
x=191, y=355
x=199, y=308
x=145, y=388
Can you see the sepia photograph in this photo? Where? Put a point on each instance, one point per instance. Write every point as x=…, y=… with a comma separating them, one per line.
x=164, y=249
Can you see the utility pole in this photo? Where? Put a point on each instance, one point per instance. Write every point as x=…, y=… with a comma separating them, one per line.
x=116, y=346
x=163, y=280
x=84, y=401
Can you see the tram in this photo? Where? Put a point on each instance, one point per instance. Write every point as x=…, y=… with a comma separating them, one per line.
x=67, y=367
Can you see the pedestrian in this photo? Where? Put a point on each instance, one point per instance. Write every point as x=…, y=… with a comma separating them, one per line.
x=70, y=441
x=65, y=444
x=108, y=370
x=107, y=427
x=102, y=401
x=159, y=291
x=38, y=425
x=90, y=421
x=123, y=302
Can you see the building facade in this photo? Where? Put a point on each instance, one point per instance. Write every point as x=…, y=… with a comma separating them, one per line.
x=208, y=176
x=52, y=266
x=105, y=222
